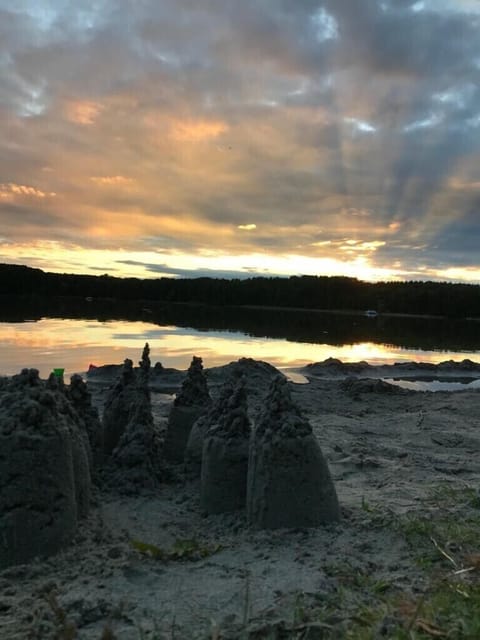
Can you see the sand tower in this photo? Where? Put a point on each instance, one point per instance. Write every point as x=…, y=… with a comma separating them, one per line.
x=191, y=402
x=225, y=456
x=194, y=448
x=119, y=406
x=81, y=399
x=138, y=457
x=289, y=484
x=44, y=469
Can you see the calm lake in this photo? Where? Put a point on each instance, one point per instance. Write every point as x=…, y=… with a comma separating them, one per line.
x=76, y=333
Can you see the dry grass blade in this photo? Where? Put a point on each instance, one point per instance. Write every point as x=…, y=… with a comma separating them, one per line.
x=430, y=629
x=462, y=571
x=444, y=553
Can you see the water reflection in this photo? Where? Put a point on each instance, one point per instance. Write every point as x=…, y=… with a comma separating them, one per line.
x=435, y=385
x=76, y=343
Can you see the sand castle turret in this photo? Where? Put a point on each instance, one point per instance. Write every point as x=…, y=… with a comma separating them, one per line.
x=138, y=457
x=194, y=448
x=145, y=363
x=44, y=469
x=81, y=399
x=191, y=402
x=119, y=406
x=225, y=456
x=130, y=437
x=289, y=484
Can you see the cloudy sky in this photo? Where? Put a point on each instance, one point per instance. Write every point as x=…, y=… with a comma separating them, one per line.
x=193, y=137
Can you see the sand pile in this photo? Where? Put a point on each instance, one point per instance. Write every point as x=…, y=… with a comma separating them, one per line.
x=335, y=367
x=354, y=386
x=44, y=468
x=257, y=375
x=331, y=367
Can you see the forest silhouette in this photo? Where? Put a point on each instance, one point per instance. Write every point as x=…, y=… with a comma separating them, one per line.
x=454, y=300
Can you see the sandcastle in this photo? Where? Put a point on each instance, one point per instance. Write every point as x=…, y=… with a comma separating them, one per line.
x=44, y=468
x=191, y=402
x=47, y=431
x=289, y=484
x=225, y=454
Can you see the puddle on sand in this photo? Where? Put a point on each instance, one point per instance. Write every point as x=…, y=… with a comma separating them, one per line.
x=294, y=376
x=415, y=384
x=465, y=384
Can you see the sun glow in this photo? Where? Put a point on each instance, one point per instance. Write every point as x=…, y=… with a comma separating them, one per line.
x=58, y=257
x=461, y=274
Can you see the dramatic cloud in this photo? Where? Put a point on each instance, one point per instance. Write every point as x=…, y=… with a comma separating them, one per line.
x=223, y=137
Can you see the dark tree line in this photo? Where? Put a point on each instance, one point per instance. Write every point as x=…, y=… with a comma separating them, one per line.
x=300, y=292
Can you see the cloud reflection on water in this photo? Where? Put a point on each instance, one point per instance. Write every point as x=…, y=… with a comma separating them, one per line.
x=74, y=344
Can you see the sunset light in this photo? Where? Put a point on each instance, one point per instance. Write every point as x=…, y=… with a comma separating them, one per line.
x=239, y=318
x=279, y=139
x=75, y=344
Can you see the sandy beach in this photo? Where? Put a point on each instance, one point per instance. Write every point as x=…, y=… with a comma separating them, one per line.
x=406, y=470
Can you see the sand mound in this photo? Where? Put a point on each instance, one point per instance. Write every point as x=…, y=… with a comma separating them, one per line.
x=257, y=374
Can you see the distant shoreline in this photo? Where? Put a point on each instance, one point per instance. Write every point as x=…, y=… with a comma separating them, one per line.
x=334, y=294
x=355, y=312
x=144, y=306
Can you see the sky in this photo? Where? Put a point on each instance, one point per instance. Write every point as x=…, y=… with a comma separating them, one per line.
x=186, y=138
